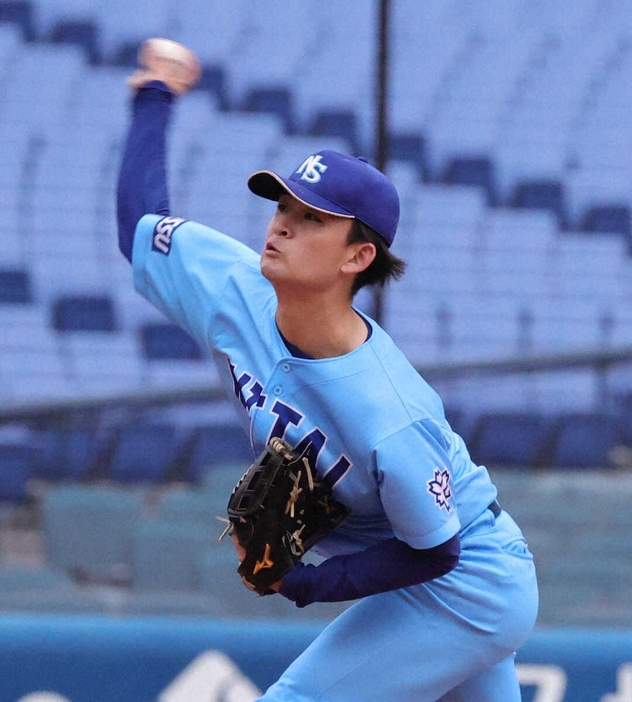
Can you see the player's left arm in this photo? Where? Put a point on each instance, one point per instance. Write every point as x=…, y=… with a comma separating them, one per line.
x=389, y=565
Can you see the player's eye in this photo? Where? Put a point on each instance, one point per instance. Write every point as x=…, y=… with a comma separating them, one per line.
x=281, y=207
x=312, y=216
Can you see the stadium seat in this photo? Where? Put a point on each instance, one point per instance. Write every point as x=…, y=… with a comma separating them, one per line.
x=15, y=287
x=541, y=195
x=608, y=218
x=21, y=13
x=45, y=589
x=508, y=439
x=409, y=148
x=583, y=440
x=275, y=101
x=16, y=469
x=142, y=452
x=478, y=171
x=211, y=446
x=213, y=81
x=84, y=313
x=168, y=341
x=82, y=34
x=337, y=123
x=165, y=555
x=87, y=531
x=189, y=506
x=64, y=454
x=17, y=579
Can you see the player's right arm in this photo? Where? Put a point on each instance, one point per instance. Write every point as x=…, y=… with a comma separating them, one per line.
x=142, y=182
x=183, y=268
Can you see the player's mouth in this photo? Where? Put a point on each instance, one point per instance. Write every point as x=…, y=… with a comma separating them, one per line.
x=270, y=248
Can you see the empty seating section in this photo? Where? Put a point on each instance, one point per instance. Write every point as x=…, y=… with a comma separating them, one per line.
x=508, y=139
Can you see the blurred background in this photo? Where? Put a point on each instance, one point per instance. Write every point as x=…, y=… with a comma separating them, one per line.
x=505, y=126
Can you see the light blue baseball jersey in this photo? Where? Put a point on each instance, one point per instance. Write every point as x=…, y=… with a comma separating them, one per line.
x=375, y=429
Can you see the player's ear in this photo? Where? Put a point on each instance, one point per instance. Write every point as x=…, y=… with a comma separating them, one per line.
x=360, y=256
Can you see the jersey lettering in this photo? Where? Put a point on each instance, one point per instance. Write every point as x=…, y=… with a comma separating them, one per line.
x=249, y=392
x=286, y=415
x=337, y=472
x=239, y=383
x=312, y=445
x=163, y=232
x=256, y=396
x=312, y=169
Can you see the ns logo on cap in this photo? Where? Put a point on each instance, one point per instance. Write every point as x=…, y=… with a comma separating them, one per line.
x=311, y=169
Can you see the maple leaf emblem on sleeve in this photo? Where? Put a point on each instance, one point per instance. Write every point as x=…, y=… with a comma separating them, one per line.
x=439, y=488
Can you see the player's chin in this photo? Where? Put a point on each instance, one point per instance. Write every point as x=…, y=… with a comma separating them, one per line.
x=271, y=268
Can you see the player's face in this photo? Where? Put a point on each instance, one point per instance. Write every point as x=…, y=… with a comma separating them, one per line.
x=305, y=247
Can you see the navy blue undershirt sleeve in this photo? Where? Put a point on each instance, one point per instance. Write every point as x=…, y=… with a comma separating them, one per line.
x=142, y=182
x=390, y=565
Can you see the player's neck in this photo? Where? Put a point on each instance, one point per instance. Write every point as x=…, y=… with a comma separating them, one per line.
x=321, y=330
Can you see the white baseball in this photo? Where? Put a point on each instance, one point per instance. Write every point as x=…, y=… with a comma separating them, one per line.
x=168, y=49
x=172, y=61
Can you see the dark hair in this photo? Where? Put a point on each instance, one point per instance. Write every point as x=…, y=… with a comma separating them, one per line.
x=385, y=267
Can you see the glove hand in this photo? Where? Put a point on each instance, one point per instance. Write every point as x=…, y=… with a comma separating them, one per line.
x=241, y=554
x=277, y=511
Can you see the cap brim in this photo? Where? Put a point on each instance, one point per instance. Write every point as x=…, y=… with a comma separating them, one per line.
x=271, y=186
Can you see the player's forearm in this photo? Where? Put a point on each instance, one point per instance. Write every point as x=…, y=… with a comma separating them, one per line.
x=390, y=565
x=142, y=183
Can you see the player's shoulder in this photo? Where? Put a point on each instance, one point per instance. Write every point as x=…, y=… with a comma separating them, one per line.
x=407, y=388
x=165, y=234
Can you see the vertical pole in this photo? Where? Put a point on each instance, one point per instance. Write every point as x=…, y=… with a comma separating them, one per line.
x=381, y=136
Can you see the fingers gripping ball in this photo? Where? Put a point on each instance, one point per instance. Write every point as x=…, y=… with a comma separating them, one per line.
x=167, y=61
x=277, y=511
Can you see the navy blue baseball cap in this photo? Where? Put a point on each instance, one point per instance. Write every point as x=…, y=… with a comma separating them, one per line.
x=339, y=184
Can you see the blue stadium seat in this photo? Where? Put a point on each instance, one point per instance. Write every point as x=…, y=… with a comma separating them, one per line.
x=84, y=313
x=168, y=341
x=276, y=101
x=213, y=81
x=410, y=148
x=16, y=468
x=88, y=530
x=64, y=454
x=15, y=287
x=509, y=439
x=21, y=13
x=188, y=506
x=142, y=452
x=44, y=589
x=608, y=218
x=214, y=445
x=337, y=123
x=79, y=33
x=583, y=440
x=476, y=171
x=165, y=555
x=18, y=579
x=541, y=195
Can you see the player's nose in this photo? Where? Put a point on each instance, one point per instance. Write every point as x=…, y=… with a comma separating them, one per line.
x=281, y=224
